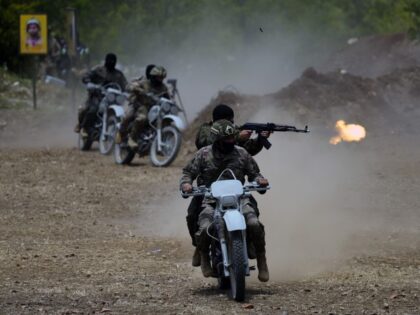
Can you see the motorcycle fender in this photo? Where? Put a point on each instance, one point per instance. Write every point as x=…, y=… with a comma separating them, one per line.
x=177, y=121
x=235, y=221
x=118, y=110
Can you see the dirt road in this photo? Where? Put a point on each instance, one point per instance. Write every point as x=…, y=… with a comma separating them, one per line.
x=76, y=238
x=82, y=235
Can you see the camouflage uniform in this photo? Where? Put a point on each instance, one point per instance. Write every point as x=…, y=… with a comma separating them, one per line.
x=203, y=138
x=140, y=104
x=206, y=166
x=98, y=75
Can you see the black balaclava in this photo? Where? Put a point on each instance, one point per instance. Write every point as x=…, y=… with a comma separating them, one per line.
x=148, y=69
x=223, y=146
x=223, y=111
x=110, y=61
x=156, y=81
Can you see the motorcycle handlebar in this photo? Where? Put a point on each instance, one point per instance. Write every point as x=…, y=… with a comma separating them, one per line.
x=93, y=86
x=197, y=191
x=201, y=191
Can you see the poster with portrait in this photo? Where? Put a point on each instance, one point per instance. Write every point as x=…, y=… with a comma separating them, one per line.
x=33, y=34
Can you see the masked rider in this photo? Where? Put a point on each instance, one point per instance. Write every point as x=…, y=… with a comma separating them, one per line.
x=206, y=166
x=142, y=98
x=99, y=75
x=204, y=138
x=243, y=137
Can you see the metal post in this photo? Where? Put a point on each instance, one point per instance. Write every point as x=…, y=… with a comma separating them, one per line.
x=34, y=78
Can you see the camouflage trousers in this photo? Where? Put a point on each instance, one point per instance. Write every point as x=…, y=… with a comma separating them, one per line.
x=255, y=230
x=137, y=115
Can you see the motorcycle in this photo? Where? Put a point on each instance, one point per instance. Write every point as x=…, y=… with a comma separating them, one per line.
x=228, y=249
x=108, y=116
x=161, y=140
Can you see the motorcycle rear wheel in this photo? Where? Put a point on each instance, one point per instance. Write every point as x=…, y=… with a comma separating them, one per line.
x=106, y=142
x=171, y=143
x=123, y=154
x=237, y=268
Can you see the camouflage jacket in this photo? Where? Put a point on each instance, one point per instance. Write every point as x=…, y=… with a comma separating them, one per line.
x=203, y=138
x=207, y=164
x=100, y=75
x=139, y=89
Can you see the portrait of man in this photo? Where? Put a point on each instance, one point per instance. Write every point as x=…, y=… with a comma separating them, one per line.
x=33, y=34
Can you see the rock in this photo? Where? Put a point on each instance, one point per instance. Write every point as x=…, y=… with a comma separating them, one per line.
x=248, y=306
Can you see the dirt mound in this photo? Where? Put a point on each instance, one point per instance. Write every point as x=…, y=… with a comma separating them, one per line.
x=384, y=104
x=375, y=55
x=387, y=102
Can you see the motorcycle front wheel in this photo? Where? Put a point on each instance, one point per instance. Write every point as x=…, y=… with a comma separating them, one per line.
x=171, y=142
x=123, y=154
x=107, y=140
x=237, y=268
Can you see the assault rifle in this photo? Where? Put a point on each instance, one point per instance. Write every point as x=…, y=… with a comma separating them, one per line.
x=271, y=127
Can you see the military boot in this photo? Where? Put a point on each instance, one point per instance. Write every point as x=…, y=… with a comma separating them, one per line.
x=251, y=250
x=196, y=260
x=263, y=274
x=132, y=143
x=205, y=264
x=118, y=137
x=84, y=133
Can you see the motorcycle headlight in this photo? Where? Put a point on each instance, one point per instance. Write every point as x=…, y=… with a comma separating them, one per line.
x=110, y=97
x=166, y=107
x=153, y=113
x=120, y=99
x=102, y=107
x=174, y=110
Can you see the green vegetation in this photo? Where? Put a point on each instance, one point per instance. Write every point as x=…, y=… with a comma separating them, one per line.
x=135, y=29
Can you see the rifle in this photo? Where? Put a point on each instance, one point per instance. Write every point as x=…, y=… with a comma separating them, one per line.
x=271, y=127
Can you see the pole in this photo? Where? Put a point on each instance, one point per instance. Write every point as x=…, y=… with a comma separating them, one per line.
x=72, y=44
x=34, y=78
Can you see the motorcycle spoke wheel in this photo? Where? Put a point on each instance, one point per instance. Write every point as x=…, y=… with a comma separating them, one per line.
x=171, y=143
x=107, y=140
x=123, y=154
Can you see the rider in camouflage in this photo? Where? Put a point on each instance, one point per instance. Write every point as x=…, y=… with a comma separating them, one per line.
x=141, y=100
x=222, y=111
x=206, y=166
x=204, y=138
x=99, y=75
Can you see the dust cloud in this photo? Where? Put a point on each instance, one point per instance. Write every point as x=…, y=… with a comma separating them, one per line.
x=329, y=203
x=43, y=128
x=247, y=60
x=314, y=207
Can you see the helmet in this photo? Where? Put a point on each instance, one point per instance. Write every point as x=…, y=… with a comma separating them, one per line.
x=221, y=129
x=33, y=21
x=148, y=69
x=158, y=71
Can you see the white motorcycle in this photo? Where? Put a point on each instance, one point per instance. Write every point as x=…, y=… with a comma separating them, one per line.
x=161, y=140
x=109, y=115
x=228, y=249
